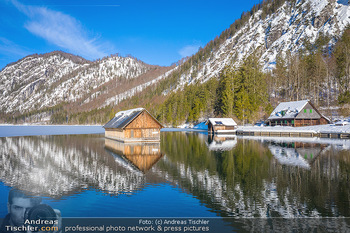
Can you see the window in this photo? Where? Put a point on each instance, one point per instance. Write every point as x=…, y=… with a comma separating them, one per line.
x=292, y=122
x=310, y=110
x=305, y=110
x=285, y=121
x=283, y=113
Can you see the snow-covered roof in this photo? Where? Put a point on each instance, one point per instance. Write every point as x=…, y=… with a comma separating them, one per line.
x=226, y=145
x=289, y=156
x=123, y=118
x=287, y=110
x=221, y=121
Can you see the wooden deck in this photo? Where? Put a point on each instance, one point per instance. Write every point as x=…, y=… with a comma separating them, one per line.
x=292, y=134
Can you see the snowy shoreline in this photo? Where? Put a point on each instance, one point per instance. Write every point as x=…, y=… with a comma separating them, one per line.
x=305, y=129
x=34, y=130
x=315, y=129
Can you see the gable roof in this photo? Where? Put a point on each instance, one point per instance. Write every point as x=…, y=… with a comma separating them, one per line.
x=290, y=109
x=221, y=121
x=123, y=118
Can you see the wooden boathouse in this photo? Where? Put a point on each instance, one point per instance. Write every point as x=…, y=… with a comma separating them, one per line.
x=134, y=125
x=296, y=113
x=221, y=125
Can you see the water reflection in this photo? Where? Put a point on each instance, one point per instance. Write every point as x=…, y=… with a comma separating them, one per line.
x=56, y=166
x=221, y=142
x=296, y=153
x=240, y=177
x=139, y=157
x=249, y=181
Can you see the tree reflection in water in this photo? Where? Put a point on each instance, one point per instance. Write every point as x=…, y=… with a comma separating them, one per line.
x=245, y=178
x=250, y=181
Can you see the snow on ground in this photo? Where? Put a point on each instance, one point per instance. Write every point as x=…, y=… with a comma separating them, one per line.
x=330, y=128
x=185, y=126
x=306, y=129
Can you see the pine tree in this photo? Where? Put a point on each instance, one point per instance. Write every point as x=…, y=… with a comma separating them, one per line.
x=342, y=57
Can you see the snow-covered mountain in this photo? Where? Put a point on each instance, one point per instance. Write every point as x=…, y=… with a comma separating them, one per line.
x=40, y=81
x=293, y=23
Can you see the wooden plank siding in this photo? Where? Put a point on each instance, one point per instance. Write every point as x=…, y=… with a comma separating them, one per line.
x=298, y=122
x=143, y=121
x=114, y=133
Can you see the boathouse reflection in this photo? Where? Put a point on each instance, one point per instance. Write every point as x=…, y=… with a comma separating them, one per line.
x=296, y=153
x=138, y=156
x=221, y=142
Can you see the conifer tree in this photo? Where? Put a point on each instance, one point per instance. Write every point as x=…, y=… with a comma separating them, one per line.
x=342, y=57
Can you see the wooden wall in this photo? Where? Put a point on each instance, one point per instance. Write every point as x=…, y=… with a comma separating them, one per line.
x=306, y=122
x=219, y=127
x=143, y=121
x=323, y=121
x=114, y=133
x=223, y=127
x=153, y=134
x=299, y=122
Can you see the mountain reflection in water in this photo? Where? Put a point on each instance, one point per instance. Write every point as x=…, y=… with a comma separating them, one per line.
x=251, y=177
x=249, y=181
x=62, y=165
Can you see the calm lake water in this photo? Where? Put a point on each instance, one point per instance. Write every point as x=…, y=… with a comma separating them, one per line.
x=185, y=175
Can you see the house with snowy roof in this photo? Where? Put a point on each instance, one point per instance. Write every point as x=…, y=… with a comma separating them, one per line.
x=296, y=113
x=221, y=125
x=296, y=153
x=221, y=142
x=134, y=125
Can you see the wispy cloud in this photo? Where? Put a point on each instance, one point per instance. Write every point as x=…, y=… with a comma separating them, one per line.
x=62, y=30
x=189, y=50
x=10, y=51
x=8, y=47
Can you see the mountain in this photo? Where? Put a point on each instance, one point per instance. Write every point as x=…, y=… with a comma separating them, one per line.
x=41, y=81
x=270, y=29
x=43, y=85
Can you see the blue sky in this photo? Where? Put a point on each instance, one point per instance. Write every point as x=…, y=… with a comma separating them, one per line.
x=158, y=32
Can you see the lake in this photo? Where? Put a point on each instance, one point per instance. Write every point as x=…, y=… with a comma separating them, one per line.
x=238, y=183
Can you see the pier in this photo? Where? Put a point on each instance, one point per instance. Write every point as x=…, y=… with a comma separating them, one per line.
x=250, y=131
